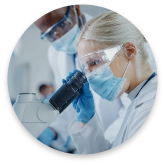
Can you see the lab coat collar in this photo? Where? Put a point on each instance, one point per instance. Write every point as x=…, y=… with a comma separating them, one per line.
x=148, y=91
x=133, y=93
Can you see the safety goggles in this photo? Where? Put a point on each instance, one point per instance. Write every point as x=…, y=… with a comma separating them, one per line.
x=59, y=28
x=92, y=61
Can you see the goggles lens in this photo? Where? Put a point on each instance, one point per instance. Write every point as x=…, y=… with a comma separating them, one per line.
x=59, y=28
x=58, y=31
x=92, y=61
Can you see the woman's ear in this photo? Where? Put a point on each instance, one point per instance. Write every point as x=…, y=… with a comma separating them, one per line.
x=130, y=51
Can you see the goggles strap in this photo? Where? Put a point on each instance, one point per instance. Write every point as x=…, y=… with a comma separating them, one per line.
x=75, y=14
x=81, y=22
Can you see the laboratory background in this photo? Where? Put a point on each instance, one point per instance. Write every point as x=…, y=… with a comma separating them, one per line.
x=98, y=120
x=29, y=67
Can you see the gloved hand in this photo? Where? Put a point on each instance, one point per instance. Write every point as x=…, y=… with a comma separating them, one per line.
x=47, y=136
x=84, y=103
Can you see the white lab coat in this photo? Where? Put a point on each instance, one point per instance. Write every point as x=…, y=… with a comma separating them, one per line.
x=61, y=64
x=113, y=129
x=90, y=139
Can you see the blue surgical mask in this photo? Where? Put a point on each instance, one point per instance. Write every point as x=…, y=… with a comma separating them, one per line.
x=105, y=84
x=67, y=42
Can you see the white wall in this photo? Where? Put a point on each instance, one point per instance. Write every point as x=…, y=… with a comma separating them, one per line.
x=93, y=10
x=29, y=67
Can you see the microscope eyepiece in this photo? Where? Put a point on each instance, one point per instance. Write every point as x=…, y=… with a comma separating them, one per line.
x=68, y=91
x=77, y=80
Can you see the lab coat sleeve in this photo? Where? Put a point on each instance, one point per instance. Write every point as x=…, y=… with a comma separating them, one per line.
x=89, y=139
x=60, y=125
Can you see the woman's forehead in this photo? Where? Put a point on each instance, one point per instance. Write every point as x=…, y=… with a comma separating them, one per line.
x=86, y=47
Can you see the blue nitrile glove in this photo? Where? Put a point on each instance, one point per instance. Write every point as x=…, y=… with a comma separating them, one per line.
x=84, y=103
x=47, y=136
x=69, y=76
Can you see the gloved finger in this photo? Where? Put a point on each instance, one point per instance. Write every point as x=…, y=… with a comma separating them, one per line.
x=71, y=74
x=83, y=73
x=86, y=87
x=80, y=91
x=64, y=81
x=75, y=70
x=47, y=136
x=86, y=90
x=74, y=103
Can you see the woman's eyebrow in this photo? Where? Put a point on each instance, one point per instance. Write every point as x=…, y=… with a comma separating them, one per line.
x=89, y=59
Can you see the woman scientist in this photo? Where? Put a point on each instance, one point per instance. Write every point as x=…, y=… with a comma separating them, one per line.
x=113, y=56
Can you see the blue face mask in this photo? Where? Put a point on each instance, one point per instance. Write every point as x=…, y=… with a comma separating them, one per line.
x=105, y=84
x=67, y=42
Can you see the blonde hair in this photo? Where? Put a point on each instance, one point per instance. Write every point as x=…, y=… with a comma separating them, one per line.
x=110, y=29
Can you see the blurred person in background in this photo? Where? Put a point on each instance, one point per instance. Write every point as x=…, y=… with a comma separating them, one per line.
x=61, y=29
x=46, y=91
